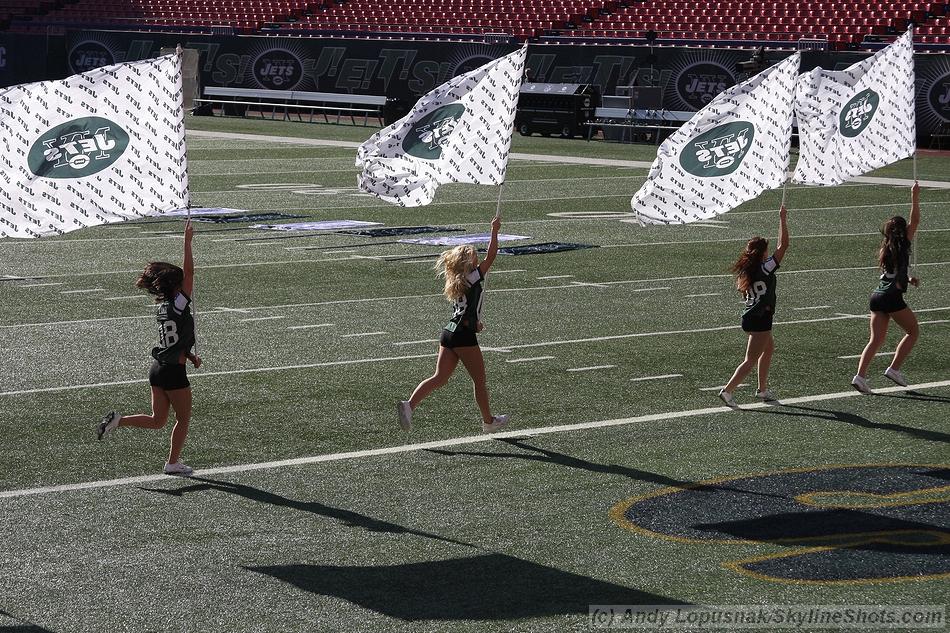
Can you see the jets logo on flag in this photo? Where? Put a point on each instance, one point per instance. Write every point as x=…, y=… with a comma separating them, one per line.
x=458, y=132
x=78, y=148
x=431, y=135
x=102, y=146
x=719, y=151
x=730, y=151
x=856, y=120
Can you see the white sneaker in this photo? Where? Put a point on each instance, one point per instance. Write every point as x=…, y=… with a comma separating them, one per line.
x=498, y=422
x=861, y=384
x=178, y=468
x=896, y=376
x=405, y=415
x=726, y=397
x=767, y=395
x=109, y=422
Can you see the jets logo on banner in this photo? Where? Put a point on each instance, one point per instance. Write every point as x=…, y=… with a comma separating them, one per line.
x=719, y=151
x=857, y=114
x=432, y=133
x=78, y=148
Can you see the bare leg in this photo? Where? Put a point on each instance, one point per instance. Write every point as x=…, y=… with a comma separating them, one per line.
x=444, y=367
x=159, y=413
x=765, y=362
x=908, y=322
x=475, y=366
x=879, y=321
x=181, y=402
x=757, y=343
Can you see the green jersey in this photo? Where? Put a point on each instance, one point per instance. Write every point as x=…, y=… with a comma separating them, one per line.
x=895, y=280
x=176, y=329
x=760, y=297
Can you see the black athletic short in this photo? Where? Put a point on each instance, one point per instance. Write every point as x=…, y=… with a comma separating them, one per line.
x=887, y=302
x=459, y=338
x=168, y=377
x=757, y=322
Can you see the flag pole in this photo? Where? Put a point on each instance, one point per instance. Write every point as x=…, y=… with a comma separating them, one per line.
x=194, y=310
x=501, y=188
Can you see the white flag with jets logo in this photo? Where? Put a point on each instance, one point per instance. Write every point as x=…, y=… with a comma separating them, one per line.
x=103, y=146
x=855, y=120
x=730, y=151
x=459, y=132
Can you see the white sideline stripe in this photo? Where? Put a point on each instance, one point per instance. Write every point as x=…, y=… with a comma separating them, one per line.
x=55, y=283
x=556, y=277
x=268, y=318
x=529, y=360
x=333, y=363
x=363, y=334
x=458, y=441
x=419, y=342
x=744, y=384
x=812, y=308
x=595, y=367
x=656, y=377
x=852, y=356
x=307, y=327
x=502, y=272
x=73, y=292
x=707, y=294
x=140, y=296
x=935, y=321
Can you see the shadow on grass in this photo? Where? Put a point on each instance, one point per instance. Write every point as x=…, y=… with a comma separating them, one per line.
x=852, y=418
x=543, y=455
x=347, y=517
x=20, y=626
x=915, y=395
x=485, y=587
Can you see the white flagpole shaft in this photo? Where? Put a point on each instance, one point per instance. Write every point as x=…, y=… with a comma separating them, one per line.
x=784, y=191
x=501, y=188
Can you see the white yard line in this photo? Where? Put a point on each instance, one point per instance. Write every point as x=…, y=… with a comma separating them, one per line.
x=75, y=292
x=267, y=318
x=708, y=294
x=663, y=377
x=357, y=334
x=812, y=308
x=123, y=298
x=504, y=272
x=593, y=368
x=259, y=370
x=532, y=359
x=419, y=342
x=717, y=388
x=459, y=441
x=55, y=283
x=934, y=321
x=853, y=356
x=307, y=327
x=556, y=277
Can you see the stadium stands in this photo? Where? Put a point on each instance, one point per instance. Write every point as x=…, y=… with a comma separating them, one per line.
x=842, y=24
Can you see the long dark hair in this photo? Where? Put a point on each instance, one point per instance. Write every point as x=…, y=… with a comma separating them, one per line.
x=748, y=261
x=161, y=279
x=895, y=247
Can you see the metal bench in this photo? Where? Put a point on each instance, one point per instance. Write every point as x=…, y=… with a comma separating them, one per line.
x=629, y=120
x=239, y=100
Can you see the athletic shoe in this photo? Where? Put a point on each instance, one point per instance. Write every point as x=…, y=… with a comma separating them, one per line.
x=498, y=422
x=861, y=384
x=178, y=468
x=108, y=424
x=767, y=395
x=405, y=415
x=896, y=376
x=726, y=397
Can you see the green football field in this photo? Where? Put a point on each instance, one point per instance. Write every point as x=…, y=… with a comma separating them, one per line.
x=621, y=480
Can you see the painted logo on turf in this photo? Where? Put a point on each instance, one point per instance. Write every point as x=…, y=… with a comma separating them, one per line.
x=857, y=114
x=277, y=69
x=431, y=134
x=718, y=152
x=77, y=148
x=842, y=524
